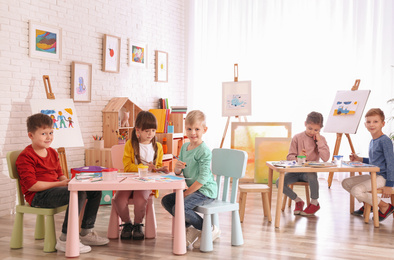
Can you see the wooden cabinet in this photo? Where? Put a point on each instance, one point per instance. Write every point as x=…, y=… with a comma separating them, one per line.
x=118, y=120
x=98, y=157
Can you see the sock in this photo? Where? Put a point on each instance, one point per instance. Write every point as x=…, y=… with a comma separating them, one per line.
x=298, y=199
x=63, y=237
x=85, y=231
x=314, y=202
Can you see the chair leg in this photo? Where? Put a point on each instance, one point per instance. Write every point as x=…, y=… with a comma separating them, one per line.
x=242, y=204
x=236, y=230
x=50, y=234
x=39, y=232
x=17, y=232
x=308, y=197
x=150, y=220
x=113, y=225
x=266, y=206
x=367, y=211
x=215, y=220
x=206, y=235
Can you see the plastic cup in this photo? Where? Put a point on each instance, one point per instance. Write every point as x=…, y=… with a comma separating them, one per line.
x=143, y=170
x=338, y=160
x=301, y=159
x=110, y=174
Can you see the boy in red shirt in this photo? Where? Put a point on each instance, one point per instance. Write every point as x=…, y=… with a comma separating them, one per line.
x=45, y=186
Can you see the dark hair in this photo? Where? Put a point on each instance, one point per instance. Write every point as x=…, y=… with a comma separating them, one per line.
x=375, y=112
x=145, y=120
x=314, y=118
x=36, y=121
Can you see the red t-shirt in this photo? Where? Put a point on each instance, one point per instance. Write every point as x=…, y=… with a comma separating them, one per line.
x=32, y=168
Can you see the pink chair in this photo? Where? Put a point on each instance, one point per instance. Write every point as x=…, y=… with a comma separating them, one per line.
x=114, y=219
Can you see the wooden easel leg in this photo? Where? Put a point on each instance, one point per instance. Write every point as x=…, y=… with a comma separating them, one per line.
x=225, y=131
x=351, y=146
x=336, y=150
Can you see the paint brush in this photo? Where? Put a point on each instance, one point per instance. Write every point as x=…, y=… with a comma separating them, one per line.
x=176, y=157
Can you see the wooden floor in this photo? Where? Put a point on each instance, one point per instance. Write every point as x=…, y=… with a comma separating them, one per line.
x=332, y=234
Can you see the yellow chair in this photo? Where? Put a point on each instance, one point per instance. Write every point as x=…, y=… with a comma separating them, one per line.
x=45, y=229
x=254, y=187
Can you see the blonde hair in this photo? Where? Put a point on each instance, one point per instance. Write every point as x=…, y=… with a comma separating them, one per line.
x=195, y=116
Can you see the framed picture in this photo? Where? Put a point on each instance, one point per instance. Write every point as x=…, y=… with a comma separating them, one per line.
x=45, y=41
x=237, y=98
x=161, y=73
x=111, y=53
x=81, y=81
x=138, y=54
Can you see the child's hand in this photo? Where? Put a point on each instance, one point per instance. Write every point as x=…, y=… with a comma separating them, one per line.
x=303, y=152
x=163, y=169
x=180, y=165
x=353, y=157
x=64, y=182
x=152, y=167
x=317, y=137
x=386, y=192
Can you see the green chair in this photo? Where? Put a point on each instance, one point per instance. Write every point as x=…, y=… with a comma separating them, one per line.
x=44, y=229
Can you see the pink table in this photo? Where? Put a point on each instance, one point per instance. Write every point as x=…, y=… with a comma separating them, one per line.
x=72, y=245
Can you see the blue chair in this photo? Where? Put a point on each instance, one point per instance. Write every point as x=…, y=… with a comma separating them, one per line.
x=45, y=228
x=226, y=163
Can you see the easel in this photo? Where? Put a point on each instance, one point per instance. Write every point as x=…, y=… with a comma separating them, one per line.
x=339, y=138
x=228, y=118
x=61, y=151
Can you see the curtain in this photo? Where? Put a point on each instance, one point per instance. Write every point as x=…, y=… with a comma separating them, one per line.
x=297, y=54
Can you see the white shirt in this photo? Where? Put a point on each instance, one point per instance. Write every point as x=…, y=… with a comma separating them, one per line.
x=147, y=153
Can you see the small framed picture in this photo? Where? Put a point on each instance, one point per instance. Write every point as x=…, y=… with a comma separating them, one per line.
x=138, y=54
x=111, y=53
x=81, y=81
x=161, y=73
x=45, y=41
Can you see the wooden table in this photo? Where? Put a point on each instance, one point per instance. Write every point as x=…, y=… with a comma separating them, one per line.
x=72, y=244
x=352, y=170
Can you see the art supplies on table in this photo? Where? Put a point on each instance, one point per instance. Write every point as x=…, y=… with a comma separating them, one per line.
x=89, y=176
x=319, y=164
x=357, y=164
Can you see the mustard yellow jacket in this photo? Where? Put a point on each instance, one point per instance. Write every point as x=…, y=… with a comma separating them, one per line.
x=129, y=157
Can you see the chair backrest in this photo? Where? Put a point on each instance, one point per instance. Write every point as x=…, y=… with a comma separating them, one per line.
x=117, y=156
x=228, y=163
x=13, y=172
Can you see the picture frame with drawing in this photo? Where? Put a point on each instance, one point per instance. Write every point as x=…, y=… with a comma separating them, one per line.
x=81, y=81
x=138, y=54
x=161, y=71
x=111, y=53
x=45, y=41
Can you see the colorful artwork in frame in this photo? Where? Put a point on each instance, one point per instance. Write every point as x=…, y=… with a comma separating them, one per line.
x=111, y=53
x=66, y=127
x=45, y=41
x=81, y=81
x=236, y=98
x=243, y=135
x=138, y=54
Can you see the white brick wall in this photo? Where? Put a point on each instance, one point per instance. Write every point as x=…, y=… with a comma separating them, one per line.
x=159, y=23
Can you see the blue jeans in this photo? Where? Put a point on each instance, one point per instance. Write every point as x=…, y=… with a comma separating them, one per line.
x=60, y=196
x=193, y=200
x=292, y=177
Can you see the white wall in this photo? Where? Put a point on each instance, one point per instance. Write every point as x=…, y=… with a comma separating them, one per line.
x=159, y=23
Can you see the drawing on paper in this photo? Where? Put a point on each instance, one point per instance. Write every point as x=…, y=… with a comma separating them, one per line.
x=344, y=108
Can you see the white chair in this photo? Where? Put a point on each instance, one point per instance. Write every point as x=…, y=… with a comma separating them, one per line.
x=226, y=163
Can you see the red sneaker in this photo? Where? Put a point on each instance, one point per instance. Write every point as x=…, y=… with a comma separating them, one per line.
x=298, y=207
x=310, y=210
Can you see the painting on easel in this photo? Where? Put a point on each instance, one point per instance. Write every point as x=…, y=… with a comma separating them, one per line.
x=236, y=98
x=66, y=127
x=346, y=112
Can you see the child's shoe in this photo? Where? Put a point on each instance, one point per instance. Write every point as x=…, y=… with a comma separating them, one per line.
x=191, y=235
x=298, y=207
x=310, y=210
x=389, y=211
x=138, y=234
x=93, y=239
x=61, y=247
x=215, y=234
x=360, y=211
x=126, y=231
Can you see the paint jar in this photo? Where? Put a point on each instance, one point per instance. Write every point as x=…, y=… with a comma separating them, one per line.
x=143, y=170
x=301, y=159
x=338, y=160
x=110, y=174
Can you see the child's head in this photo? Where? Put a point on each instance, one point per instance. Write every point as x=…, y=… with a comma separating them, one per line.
x=144, y=132
x=374, y=121
x=40, y=130
x=313, y=123
x=195, y=125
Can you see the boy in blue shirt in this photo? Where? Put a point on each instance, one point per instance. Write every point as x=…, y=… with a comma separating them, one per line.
x=380, y=154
